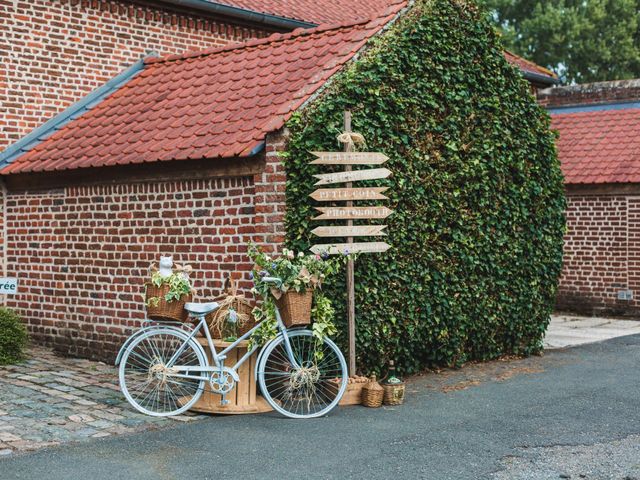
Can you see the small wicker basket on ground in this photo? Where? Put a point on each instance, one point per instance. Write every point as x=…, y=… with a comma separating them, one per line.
x=159, y=309
x=231, y=300
x=295, y=308
x=372, y=393
x=393, y=393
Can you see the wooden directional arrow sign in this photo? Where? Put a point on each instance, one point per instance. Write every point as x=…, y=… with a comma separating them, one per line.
x=350, y=231
x=340, y=248
x=341, y=194
x=352, y=213
x=355, y=175
x=349, y=158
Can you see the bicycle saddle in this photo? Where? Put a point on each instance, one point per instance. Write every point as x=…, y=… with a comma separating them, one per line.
x=201, y=308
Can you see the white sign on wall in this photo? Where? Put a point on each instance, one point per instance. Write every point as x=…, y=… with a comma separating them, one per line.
x=8, y=285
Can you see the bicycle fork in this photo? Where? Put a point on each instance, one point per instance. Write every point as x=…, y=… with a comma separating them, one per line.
x=287, y=343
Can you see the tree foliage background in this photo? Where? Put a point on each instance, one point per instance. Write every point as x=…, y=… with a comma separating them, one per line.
x=580, y=40
x=476, y=187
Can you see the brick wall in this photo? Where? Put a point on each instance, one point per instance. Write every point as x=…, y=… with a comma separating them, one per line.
x=590, y=93
x=54, y=52
x=601, y=254
x=82, y=253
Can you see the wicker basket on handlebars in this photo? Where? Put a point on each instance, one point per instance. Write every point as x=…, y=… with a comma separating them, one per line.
x=159, y=309
x=295, y=308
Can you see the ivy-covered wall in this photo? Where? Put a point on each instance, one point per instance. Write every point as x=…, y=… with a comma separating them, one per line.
x=477, y=191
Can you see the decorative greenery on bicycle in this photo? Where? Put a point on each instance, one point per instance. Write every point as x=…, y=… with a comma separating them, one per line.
x=298, y=273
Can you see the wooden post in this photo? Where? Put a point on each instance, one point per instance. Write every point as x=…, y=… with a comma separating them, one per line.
x=351, y=294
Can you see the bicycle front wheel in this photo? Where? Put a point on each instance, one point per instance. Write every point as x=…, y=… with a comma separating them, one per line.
x=150, y=384
x=310, y=389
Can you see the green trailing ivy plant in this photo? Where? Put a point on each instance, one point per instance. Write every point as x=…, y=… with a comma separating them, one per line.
x=476, y=190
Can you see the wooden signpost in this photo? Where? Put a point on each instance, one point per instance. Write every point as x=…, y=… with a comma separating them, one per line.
x=350, y=213
x=337, y=248
x=339, y=194
x=354, y=231
x=349, y=158
x=352, y=176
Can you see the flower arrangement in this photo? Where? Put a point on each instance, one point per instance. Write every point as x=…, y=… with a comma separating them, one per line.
x=299, y=273
x=178, y=283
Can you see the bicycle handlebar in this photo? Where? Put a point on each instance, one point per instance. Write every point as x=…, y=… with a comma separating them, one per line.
x=274, y=280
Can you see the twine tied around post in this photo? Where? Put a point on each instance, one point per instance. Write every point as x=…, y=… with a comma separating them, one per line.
x=231, y=302
x=351, y=139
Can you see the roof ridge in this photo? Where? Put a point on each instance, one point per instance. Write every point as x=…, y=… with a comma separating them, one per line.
x=279, y=37
x=533, y=64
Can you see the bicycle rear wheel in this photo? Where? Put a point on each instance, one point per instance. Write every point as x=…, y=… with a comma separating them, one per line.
x=309, y=391
x=152, y=387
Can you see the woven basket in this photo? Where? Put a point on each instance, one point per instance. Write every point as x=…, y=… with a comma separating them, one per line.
x=372, y=393
x=295, y=308
x=172, y=311
x=393, y=393
x=231, y=299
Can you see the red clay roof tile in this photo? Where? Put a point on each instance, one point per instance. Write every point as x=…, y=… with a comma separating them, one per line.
x=330, y=11
x=215, y=103
x=314, y=11
x=599, y=146
x=218, y=103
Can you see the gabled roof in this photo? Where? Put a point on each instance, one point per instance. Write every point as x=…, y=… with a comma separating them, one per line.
x=218, y=103
x=314, y=11
x=599, y=144
x=211, y=104
x=532, y=71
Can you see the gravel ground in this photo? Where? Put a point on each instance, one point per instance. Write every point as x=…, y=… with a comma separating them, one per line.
x=616, y=460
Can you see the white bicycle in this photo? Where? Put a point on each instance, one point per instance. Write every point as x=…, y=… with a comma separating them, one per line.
x=163, y=369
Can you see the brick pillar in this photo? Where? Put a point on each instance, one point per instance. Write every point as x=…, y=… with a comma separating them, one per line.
x=633, y=250
x=270, y=202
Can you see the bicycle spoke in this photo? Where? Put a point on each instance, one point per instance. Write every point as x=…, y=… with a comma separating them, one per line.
x=149, y=384
x=310, y=389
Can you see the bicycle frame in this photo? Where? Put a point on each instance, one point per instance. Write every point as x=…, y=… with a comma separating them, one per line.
x=218, y=358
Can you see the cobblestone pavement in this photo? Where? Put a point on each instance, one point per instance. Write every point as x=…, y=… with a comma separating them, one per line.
x=49, y=400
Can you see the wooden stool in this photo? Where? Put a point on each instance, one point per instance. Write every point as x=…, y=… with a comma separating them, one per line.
x=243, y=397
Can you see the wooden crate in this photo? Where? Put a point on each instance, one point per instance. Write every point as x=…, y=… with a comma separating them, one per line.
x=353, y=394
x=243, y=398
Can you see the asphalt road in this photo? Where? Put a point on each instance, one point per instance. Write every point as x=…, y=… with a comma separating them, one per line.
x=570, y=414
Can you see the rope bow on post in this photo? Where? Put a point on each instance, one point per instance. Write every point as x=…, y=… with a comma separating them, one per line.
x=350, y=140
